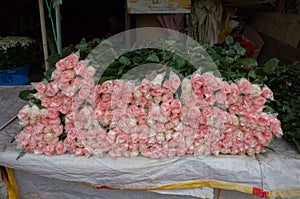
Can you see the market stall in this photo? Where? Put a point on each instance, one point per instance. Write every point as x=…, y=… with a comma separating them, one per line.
x=70, y=176
x=141, y=121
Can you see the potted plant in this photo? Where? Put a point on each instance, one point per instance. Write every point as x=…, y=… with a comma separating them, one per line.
x=16, y=55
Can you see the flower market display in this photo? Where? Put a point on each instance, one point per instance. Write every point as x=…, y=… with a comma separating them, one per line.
x=159, y=117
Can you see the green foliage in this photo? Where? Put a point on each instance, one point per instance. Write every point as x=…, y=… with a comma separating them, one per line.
x=83, y=47
x=16, y=52
x=28, y=95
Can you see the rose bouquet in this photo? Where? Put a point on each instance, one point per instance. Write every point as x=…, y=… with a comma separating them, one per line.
x=160, y=116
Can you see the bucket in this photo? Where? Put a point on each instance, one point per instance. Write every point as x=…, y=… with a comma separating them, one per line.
x=12, y=80
x=17, y=76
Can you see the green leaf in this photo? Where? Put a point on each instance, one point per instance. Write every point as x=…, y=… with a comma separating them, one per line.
x=27, y=95
x=124, y=60
x=229, y=40
x=120, y=69
x=136, y=59
x=270, y=148
x=241, y=51
x=270, y=66
x=180, y=62
x=252, y=74
x=229, y=60
x=230, y=53
x=52, y=59
x=82, y=46
x=48, y=73
x=269, y=109
x=152, y=58
x=249, y=62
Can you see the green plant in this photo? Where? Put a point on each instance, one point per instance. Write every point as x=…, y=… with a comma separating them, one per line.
x=83, y=46
x=16, y=51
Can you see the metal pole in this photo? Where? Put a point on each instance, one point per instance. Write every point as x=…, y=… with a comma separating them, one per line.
x=58, y=27
x=44, y=34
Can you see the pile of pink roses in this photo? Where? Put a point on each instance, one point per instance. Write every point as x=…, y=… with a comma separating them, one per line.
x=161, y=117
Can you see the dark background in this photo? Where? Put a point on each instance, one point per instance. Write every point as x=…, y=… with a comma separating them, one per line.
x=79, y=19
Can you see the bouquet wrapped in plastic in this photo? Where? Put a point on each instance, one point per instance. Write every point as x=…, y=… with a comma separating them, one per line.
x=158, y=117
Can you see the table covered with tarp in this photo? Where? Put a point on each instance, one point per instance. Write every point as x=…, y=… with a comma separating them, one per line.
x=269, y=174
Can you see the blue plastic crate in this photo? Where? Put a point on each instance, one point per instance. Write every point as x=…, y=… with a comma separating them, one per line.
x=11, y=80
x=17, y=76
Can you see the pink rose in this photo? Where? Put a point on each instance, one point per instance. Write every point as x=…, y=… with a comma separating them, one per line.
x=157, y=92
x=157, y=81
x=57, y=130
x=55, y=75
x=121, y=138
x=80, y=65
x=41, y=87
x=259, y=148
x=23, y=113
x=174, y=81
x=137, y=93
x=165, y=109
x=177, y=136
x=267, y=93
x=145, y=86
x=256, y=91
x=194, y=112
x=268, y=135
x=212, y=81
x=157, y=99
x=143, y=138
x=197, y=95
x=49, y=149
x=67, y=75
x=155, y=113
x=204, y=130
x=86, y=83
x=51, y=113
x=79, y=152
x=234, y=109
x=186, y=89
x=275, y=126
x=234, y=89
x=244, y=85
x=220, y=97
x=168, y=98
x=188, y=132
x=159, y=127
x=226, y=88
x=259, y=101
x=87, y=72
x=197, y=81
x=67, y=62
x=128, y=88
x=60, y=148
x=52, y=89
x=84, y=93
x=176, y=106
x=250, y=151
x=167, y=87
x=239, y=135
x=62, y=85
